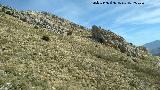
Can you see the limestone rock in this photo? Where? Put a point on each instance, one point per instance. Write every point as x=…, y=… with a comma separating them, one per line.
x=115, y=41
x=43, y=20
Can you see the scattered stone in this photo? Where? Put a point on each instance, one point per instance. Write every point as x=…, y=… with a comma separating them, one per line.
x=53, y=88
x=158, y=64
x=7, y=86
x=2, y=72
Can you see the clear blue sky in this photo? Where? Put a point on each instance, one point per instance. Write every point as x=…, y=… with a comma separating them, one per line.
x=138, y=24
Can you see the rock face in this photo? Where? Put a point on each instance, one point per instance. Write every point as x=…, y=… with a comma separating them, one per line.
x=44, y=20
x=115, y=41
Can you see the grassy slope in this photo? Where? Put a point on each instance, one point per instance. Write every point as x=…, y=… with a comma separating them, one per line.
x=66, y=62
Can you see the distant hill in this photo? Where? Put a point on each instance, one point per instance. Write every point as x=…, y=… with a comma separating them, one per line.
x=153, y=47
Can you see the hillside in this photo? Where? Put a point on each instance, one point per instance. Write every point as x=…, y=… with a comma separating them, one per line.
x=36, y=57
x=153, y=47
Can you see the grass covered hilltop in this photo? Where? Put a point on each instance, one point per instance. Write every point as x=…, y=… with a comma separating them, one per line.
x=40, y=51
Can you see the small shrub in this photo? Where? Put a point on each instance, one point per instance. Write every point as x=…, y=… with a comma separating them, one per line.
x=9, y=12
x=69, y=32
x=45, y=38
x=36, y=26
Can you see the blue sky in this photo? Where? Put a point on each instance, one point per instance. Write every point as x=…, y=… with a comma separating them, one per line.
x=138, y=24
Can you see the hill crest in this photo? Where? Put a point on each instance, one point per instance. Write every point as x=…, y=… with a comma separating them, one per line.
x=61, y=26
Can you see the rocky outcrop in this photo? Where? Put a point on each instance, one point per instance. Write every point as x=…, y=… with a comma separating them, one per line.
x=115, y=41
x=61, y=26
x=44, y=20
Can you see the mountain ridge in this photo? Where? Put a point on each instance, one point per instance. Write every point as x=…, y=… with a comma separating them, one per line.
x=153, y=47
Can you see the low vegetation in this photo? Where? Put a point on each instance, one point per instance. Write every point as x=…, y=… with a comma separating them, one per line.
x=38, y=59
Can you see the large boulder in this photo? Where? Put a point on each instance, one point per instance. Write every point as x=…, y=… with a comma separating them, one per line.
x=109, y=38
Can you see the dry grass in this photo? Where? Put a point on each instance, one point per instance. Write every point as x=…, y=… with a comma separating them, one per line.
x=27, y=62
